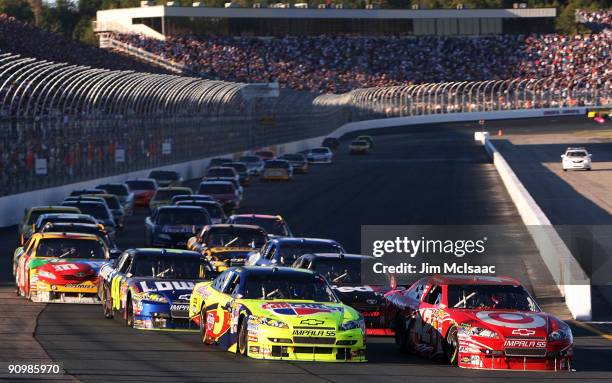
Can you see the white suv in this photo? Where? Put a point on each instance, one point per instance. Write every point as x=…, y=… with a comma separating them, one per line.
x=576, y=158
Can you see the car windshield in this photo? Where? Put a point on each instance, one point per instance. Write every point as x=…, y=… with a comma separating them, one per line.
x=320, y=150
x=213, y=209
x=346, y=270
x=71, y=248
x=141, y=185
x=163, y=175
x=506, y=297
x=576, y=153
x=118, y=190
x=167, y=266
x=277, y=165
x=44, y=221
x=240, y=168
x=37, y=213
x=220, y=172
x=112, y=202
x=287, y=287
x=182, y=217
x=272, y=226
x=235, y=237
x=359, y=143
x=166, y=195
x=289, y=252
x=216, y=189
x=250, y=159
x=293, y=157
x=96, y=210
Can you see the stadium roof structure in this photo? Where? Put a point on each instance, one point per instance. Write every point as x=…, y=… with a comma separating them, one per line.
x=133, y=20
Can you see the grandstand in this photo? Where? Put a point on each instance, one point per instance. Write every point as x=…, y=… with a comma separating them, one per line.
x=161, y=21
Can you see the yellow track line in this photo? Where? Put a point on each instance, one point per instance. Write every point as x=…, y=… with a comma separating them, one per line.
x=592, y=329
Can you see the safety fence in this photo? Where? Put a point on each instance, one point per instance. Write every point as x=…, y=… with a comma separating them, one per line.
x=62, y=123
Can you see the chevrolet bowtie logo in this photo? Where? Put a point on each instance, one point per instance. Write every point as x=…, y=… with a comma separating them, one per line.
x=523, y=332
x=312, y=322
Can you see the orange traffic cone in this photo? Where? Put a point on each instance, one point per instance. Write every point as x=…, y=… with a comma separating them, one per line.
x=500, y=133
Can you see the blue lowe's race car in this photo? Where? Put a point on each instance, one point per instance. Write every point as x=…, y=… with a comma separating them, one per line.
x=150, y=288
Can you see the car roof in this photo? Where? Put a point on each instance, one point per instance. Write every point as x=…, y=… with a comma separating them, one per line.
x=216, y=183
x=232, y=226
x=52, y=235
x=158, y=251
x=258, y=270
x=52, y=207
x=141, y=179
x=173, y=188
x=263, y=216
x=304, y=240
x=472, y=280
x=64, y=215
x=336, y=256
x=179, y=207
x=84, y=202
x=74, y=225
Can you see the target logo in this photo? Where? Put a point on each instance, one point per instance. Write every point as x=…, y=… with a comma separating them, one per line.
x=512, y=320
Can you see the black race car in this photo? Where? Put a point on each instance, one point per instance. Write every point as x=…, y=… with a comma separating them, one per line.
x=171, y=226
x=344, y=273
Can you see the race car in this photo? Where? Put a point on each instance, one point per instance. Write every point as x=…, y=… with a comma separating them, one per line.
x=478, y=322
x=265, y=154
x=277, y=170
x=222, y=258
x=254, y=164
x=221, y=172
x=320, y=155
x=172, y=226
x=214, y=209
x=359, y=147
x=31, y=215
x=60, y=267
x=150, y=288
x=224, y=192
x=298, y=162
x=243, y=172
x=228, y=236
x=123, y=193
x=343, y=272
x=576, y=158
x=331, y=142
x=163, y=196
x=285, y=251
x=143, y=189
x=274, y=225
x=166, y=178
x=367, y=139
x=277, y=313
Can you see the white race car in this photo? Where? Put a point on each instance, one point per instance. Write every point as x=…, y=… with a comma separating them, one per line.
x=576, y=158
x=320, y=155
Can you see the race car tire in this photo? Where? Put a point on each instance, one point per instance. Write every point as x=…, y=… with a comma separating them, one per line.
x=410, y=344
x=129, y=313
x=203, y=332
x=401, y=336
x=451, y=346
x=243, y=338
x=107, y=305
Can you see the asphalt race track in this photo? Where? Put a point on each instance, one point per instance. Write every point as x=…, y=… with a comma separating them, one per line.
x=421, y=175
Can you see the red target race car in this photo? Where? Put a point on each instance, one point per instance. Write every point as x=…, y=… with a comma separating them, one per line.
x=478, y=322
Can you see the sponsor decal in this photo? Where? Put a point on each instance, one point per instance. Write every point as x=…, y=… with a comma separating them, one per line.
x=352, y=289
x=65, y=267
x=286, y=308
x=475, y=359
x=80, y=286
x=371, y=301
x=512, y=320
x=525, y=343
x=311, y=322
x=308, y=332
x=523, y=332
x=184, y=297
x=166, y=285
x=183, y=307
x=465, y=359
x=463, y=349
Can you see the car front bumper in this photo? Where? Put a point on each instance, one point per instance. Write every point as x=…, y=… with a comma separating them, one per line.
x=83, y=293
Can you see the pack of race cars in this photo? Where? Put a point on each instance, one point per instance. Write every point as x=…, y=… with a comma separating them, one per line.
x=247, y=285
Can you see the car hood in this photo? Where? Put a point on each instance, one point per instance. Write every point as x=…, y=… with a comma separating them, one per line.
x=63, y=271
x=176, y=229
x=304, y=313
x=172, y=289
x=507, y=323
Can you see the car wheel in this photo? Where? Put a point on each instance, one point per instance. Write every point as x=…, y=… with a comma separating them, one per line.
x=588, y=169
x=401, y=336
x=451, y=346
x=129, y=313
x=243, y=337
x=107, y=305
x=203, y=333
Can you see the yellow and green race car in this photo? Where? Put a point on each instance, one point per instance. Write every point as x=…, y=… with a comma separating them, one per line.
x=277, y=313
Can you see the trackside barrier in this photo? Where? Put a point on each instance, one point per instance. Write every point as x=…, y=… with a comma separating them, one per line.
x=13, y=206
x=571, y=280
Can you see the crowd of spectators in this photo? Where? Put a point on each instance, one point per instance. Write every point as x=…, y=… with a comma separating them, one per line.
x=340, y=63
x=29, y=41
x=595, y=20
